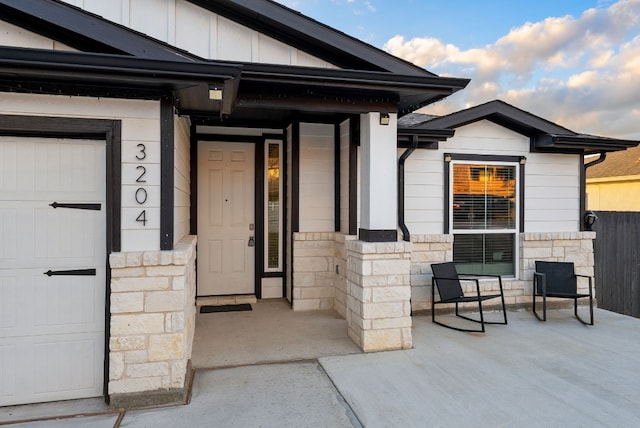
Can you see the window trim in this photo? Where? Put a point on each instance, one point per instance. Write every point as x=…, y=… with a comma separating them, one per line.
x=280, y=266
x=449, y=157
x=519, y=162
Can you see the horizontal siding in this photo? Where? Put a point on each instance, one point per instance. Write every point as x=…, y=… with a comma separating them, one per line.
x=552, y=194
x=196, y=30
x=424, y=192
x=316, y=178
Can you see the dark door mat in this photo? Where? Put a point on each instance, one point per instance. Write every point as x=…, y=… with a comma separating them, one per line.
x=225, y=308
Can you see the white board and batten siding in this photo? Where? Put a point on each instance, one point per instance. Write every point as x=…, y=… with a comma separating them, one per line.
x=11, y=35
x=199, y=31
x=140, y=127
x=317, y=180
x=552, y=189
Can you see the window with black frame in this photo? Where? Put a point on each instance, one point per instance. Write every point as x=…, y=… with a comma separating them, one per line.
x=483, y=216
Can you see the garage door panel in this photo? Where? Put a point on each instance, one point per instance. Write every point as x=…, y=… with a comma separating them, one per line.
x=51, y=326
x=39, y=169
x=49, y=237
x=8, y=366
x=67, y=303
x=35, y=304
x=62, y=367
x=67, y=233
x=9, y=233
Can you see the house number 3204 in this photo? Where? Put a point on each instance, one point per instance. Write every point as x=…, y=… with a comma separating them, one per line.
x=141, y=192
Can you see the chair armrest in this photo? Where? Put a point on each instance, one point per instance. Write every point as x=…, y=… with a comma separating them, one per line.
x=538, y=276
x=498, y=277
x=481, y=275
x=590, y=278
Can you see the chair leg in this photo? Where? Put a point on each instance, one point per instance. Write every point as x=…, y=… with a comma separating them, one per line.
x=481, y=314
x=575, y=311
x=544, y=308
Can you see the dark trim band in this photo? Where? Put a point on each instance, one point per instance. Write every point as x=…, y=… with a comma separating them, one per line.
x=368, y=235
x=167, y=166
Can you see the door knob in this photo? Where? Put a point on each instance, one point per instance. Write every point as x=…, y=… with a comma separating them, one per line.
x=252, y=242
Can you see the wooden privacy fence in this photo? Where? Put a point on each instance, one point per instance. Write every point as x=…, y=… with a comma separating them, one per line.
x=617, y=261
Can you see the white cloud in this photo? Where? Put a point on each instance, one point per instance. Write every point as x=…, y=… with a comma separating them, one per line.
x=582, y=72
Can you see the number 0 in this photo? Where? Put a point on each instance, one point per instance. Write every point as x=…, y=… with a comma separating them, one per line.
x=141, y=195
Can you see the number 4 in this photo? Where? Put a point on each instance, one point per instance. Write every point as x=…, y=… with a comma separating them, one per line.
x=142, y=217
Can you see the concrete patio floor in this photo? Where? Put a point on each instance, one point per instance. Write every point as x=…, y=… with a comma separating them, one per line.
x=526, y=374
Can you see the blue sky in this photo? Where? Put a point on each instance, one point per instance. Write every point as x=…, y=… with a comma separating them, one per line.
x=575, y=62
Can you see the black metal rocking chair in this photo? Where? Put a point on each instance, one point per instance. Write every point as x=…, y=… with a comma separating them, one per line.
x=447, y=280
x=558, y=279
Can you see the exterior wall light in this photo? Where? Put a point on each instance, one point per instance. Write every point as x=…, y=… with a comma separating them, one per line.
x=215, y=93
x=384, y=119
x=589, y=220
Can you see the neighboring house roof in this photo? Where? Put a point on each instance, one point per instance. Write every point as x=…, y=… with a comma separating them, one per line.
x=373, y=80
x=545, y=136
x=617, y=164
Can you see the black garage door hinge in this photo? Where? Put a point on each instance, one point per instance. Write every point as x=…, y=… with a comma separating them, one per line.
x=93, y=207
x=73, y=272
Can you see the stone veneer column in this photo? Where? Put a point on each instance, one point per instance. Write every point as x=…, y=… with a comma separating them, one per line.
x=379, y=301
x=152, y=324
x=313, y=270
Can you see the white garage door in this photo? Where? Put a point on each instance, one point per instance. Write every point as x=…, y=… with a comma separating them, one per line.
x=51, y=299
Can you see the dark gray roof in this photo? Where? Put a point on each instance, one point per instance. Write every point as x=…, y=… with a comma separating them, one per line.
x=370, y=80
x=414, y=119
x=545, y=135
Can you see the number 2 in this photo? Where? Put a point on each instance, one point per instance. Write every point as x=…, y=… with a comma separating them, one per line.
x=142, y=174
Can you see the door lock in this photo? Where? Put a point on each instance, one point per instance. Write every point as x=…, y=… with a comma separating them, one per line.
x=252, y=242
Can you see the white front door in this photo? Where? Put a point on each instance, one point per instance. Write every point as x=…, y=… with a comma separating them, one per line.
x=226, y=225
x=51, y=299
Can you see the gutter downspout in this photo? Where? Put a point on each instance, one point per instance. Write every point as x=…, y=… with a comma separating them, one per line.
x=406, y=236
x=603, y=156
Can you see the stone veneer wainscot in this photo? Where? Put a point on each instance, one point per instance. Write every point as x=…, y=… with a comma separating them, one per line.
x=152, y=324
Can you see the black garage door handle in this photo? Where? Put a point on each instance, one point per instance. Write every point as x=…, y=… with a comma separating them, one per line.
x=92, y=207
x=73, y=272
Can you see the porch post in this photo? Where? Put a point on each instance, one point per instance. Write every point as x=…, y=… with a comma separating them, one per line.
x=378, y=209
x=378, y=266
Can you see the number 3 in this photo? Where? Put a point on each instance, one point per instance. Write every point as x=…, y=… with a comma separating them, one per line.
x=143, y=154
